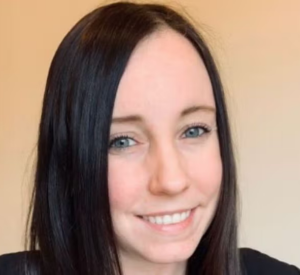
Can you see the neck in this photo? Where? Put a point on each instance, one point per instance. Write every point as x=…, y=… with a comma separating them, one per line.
x=143, y=267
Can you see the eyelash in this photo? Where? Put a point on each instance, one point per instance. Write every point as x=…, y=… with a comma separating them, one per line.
x=204, y=127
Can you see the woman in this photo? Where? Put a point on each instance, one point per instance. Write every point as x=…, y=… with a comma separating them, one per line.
x=135, y=169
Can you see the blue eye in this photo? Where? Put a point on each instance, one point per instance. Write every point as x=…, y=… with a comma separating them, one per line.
x=121, y=142
x=196, y=131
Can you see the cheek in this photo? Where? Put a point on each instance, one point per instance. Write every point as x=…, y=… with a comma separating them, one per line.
x=206, y=170
x=123, y=183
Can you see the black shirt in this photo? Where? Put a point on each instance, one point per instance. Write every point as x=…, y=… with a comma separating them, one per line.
x=254, y=262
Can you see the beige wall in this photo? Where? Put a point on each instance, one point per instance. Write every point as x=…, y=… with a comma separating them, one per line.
x=258, y=47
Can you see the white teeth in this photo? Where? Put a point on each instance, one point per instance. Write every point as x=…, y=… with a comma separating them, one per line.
x=152, y=219
x=159, y=220
x=169, y=219
x=176, y=218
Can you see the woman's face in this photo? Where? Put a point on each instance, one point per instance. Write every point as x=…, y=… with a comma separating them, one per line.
x=165, y=168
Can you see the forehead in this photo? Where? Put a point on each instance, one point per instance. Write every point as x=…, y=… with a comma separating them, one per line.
x=165, y=74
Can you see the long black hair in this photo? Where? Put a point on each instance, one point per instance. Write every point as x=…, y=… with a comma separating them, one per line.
x=69, y=223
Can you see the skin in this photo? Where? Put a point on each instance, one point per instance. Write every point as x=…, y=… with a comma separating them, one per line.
x=163, y=165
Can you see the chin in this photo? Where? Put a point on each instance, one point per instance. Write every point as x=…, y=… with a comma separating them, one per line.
x=169, y=253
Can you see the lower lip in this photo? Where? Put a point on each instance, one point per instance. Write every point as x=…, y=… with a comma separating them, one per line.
x=171, y=228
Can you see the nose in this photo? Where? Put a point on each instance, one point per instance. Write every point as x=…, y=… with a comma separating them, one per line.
x=169, y=176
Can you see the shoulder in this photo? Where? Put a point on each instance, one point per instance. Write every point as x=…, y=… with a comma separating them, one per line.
x=253, y=262
x=257, y=263
x=13, y=263
x=10, y=263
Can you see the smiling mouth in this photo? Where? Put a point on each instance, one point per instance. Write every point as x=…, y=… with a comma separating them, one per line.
x=170, y=224
x=168, y=219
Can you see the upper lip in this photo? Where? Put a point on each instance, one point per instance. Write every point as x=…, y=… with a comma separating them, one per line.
x=167, y=212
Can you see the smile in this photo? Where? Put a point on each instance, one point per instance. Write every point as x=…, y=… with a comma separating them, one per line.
x=168, y=219
x=169, y=224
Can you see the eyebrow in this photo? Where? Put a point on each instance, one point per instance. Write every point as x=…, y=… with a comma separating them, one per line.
x=185, y=112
